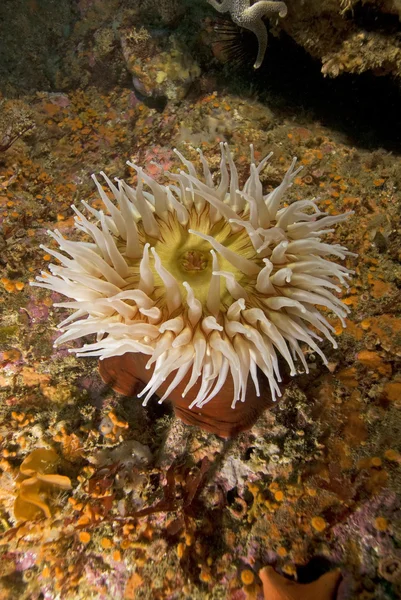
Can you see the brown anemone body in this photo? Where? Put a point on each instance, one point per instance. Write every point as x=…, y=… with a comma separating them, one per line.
x=126, y=374
x=277, y=587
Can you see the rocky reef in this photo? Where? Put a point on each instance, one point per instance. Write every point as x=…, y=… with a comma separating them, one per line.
x=137, y=504
x=348, y=36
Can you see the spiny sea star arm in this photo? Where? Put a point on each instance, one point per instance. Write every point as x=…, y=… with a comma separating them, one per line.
x=251, y=18
x=263, y=8
x=259, y=29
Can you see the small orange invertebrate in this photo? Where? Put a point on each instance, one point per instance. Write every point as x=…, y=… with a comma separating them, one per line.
x=84, y=537
x=247, y=577
x=381, y=524
x=318, y=523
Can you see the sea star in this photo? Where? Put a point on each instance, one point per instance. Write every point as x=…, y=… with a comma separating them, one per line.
x=250, y=17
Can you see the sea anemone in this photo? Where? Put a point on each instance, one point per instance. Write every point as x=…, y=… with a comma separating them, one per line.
x=211, y=284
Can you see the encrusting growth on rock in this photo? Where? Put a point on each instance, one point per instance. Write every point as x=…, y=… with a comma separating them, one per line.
x=37, y=479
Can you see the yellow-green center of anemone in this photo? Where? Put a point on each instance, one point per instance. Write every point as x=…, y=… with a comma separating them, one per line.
x=189, y=259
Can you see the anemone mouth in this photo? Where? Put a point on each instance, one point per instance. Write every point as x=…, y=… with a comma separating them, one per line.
x=212, y=283
x=193, y=261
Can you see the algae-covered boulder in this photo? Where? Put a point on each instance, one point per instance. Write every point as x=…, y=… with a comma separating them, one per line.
x=348, y=36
